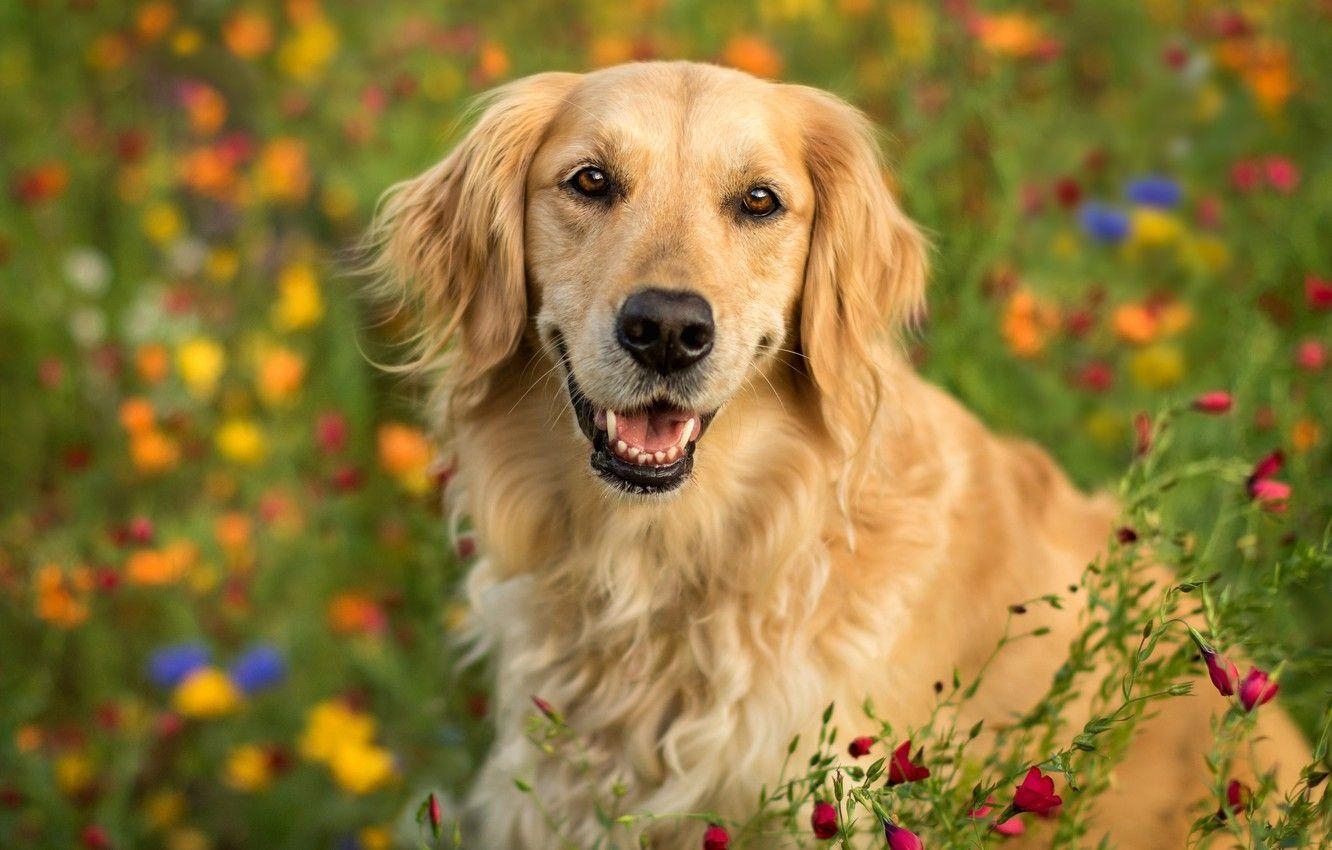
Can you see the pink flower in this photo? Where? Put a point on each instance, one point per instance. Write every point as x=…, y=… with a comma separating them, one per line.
x=1282, y=174
x=1272, y=495
x=1222, y=671
x=1036, y=793
x=901, y=769
x=1216, y=401
x=436, y=814
x=1318, y=293
x=1012, y=826
x=331, y=432
x=1256, y=689
x=901, y=839
x=823, y=820
x=716, y=837
x=1209, y=212
x=1311, y=356
x=860, y=746
x=1246, y=175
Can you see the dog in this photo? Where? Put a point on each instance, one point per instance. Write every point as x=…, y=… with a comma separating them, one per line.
x=660, y=305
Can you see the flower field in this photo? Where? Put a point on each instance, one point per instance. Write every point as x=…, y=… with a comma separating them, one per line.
x=227, y=594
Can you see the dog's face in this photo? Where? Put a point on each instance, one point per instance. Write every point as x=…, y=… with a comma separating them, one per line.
x=664, y=233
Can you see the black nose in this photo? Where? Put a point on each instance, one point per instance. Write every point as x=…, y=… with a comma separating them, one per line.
x=665, y=330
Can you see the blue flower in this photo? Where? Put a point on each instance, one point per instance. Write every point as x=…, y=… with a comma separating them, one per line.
x=1154, y=191
x=170, y=665
x=1104, y=223
x=261, y=667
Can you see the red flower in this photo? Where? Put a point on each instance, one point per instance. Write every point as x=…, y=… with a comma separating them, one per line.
x=1067, y=192
x=1222, y=671
x=901, y=769
x=716, y=838
x=1318, y=293
x=1036, y=793
x=1246, y=175
x=95, y=838
x=901, y=839
x=824, y=820
x=1217, y=401
x=331, y=432
x=1256, y=689
x=860, y=746
x=1096, y=376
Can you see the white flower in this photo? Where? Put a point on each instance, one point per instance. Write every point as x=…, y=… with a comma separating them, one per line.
x=88, y=270
x=88, y=326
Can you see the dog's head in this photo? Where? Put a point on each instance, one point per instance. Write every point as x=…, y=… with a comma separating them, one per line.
x=664, y=233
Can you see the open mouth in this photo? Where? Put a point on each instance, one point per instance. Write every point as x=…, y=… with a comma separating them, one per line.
x=647, y=450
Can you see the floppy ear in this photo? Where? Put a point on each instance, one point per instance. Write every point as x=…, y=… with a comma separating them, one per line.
x=451, y=240
x=865, y=274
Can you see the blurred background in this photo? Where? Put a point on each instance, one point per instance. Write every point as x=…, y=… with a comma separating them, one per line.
x=225, y=588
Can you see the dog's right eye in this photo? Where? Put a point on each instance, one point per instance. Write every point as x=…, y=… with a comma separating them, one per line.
x=591, y=182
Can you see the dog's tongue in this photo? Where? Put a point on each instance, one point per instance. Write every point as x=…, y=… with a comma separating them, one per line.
x=652, y=430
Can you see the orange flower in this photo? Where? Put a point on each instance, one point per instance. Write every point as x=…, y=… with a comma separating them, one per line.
x=351, y=613
x=493, y=62
x=152, y=451
x=284, y=170
x=154, y=19
x=137, y=415
x=248, y=34
x=206, y=108
x=108, y=51
x=1012, y=34
x=232, y=532
x=1305, y=434
x=208, y=172
x=150, y=567
x=405, y=454
x=153, y=362
x=1028, y=322
x=55, y=602
x=753, y=55
x=281, y=373
x=1269, y=75
x=611, y=50
x=1136, y=323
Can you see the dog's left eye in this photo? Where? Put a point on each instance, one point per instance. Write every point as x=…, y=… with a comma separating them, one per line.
x=591, y=182
x=760, y=202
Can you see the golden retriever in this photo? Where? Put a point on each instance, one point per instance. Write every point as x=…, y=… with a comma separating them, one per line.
x=709, y=494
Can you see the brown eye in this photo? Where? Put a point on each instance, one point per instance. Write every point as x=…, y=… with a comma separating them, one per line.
x=592, y=182
x=760, y=202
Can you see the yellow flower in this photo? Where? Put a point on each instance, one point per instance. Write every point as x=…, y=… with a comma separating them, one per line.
x=300, y=304
x=188, y=838
x=73, y=773
x=307, y=51
x=161, y=223
x=249, y=768
x=1106, y=428
x=1207, y=253
x=163, y=808
x=338, y=201
x=913, y=30
x=222, y=264
x=1157, y=367
x=405, y=453
x=206, y=693
x=330, y=725
x=201, y=362
x=241, y=441
x=1152, y=228
x=375, y=838
x=186, y=42
x=361, y=769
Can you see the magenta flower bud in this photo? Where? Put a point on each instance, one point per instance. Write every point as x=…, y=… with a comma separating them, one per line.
x=823, y=820
x=901, y=839
x=860, y=746
x=716, y=838
x=436, y=815
x=1012, y=826
x=901, y=769
x=1222, y=671
x=1215, y=402
x=547, y=709
x=1256, y=689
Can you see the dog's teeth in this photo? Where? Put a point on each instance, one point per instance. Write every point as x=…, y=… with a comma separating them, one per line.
x=633, y=451
x=620, y=446
x=672, y=453
x=661, y=457
x=644, y=458
x=610, y=426
x=686, y=434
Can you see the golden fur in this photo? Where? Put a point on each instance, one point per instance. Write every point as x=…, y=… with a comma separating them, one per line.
x=848, y=530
